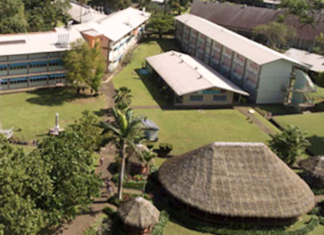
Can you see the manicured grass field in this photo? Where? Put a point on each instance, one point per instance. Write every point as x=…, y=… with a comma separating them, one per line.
x=33, y=114
x=190, y=129
x=144, y=93
x=312, y=123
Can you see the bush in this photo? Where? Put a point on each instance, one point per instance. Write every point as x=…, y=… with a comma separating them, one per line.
x=149, y=145
x=108, y=211
x=160, y=227
x=130, y=183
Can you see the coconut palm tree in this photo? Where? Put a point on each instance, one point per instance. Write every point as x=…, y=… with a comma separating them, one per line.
x=123, y=98
x=126, y=132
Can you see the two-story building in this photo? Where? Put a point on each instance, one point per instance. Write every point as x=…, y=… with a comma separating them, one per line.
x=34, y=60
x=265, y=74
x=116, y=33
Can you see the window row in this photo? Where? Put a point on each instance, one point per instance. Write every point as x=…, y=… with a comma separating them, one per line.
x=32, y=65
x=201, y=98
x=25, y=80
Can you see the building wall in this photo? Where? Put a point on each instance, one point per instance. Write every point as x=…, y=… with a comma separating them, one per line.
x=211, y=97
x=118, y=49
x=273, y=77
x=31, y=70
x=240, y=70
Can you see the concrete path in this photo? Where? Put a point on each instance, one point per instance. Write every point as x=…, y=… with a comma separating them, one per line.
x=254, y=119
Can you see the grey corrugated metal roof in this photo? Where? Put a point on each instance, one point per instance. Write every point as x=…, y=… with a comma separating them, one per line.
x=252, y=50
x=314, y=61
x=116, y=25
x=150, y=124
x=185, y=74
x=37, y=42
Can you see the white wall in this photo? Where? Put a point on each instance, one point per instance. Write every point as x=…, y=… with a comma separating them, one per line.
x=273, y=77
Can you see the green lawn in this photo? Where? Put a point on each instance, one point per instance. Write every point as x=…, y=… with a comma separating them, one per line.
x=312, y=123
x=33, y=114
x=190, y=129
x=144, y=93
x=173, y=228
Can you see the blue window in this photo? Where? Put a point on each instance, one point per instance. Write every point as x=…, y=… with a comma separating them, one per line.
x=196, y=98
x=220, y=97
x=18, y=80
x=3, y=81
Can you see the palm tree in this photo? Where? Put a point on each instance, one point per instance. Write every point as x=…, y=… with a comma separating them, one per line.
x=126, y=132
x=123, y=98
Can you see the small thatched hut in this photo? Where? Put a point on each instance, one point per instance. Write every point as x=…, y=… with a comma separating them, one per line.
x=134, y=165
x=236, y=182
x=314, y=171
x=139, y=216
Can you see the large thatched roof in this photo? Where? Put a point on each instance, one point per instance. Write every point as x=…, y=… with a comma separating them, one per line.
x=314, y=165
x=237, y=179
x=139, y=213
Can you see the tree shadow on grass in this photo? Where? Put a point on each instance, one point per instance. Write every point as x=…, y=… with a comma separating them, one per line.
x=55, y=96
x=154, y=91
x=317, y=145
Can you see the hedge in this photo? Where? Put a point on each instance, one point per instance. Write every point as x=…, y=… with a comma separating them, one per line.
x=238, y=229
x=160, y=227
x=132, y=184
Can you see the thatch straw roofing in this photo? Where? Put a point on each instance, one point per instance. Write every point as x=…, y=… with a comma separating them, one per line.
x=314, y=165
x=138, y=213
x=237, y=179
x=134, y=156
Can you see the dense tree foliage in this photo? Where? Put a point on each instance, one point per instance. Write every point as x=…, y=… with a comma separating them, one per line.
x=161, y=23
x=126, y=132
x=86, y=65
x=112, y=5
x=277, y=34
x=12, y=16
x=289, y=144
x=52, y=183
x=17, y=16
x=123, y=98
x=24, y=184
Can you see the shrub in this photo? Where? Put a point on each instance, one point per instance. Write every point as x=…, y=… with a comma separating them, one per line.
x=108, y=211
x=160, y=227
x=149, y=145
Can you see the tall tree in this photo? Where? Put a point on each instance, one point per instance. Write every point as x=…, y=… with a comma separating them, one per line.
x=85, y=64
x=123, y=98
x=276, y=33
x=126, y=132
x=12, y=17
x=24, y=185
x=43, y=15
x=71, y=171
x=161, y=23
x=289, y=144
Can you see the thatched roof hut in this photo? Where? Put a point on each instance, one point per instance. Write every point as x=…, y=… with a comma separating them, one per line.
x=237, y=180
x=134, y=164
x=314, y=170
x=138, y=215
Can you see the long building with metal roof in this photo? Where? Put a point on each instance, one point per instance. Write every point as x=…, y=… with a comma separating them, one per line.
x=264, y=73
x=193, y=83
x=34, y=60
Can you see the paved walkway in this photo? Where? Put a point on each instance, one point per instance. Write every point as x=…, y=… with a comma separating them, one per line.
x=254, y=119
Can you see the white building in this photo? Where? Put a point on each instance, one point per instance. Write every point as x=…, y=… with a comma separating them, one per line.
x=264, y=73
x=116, y=33
x=33, y=60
